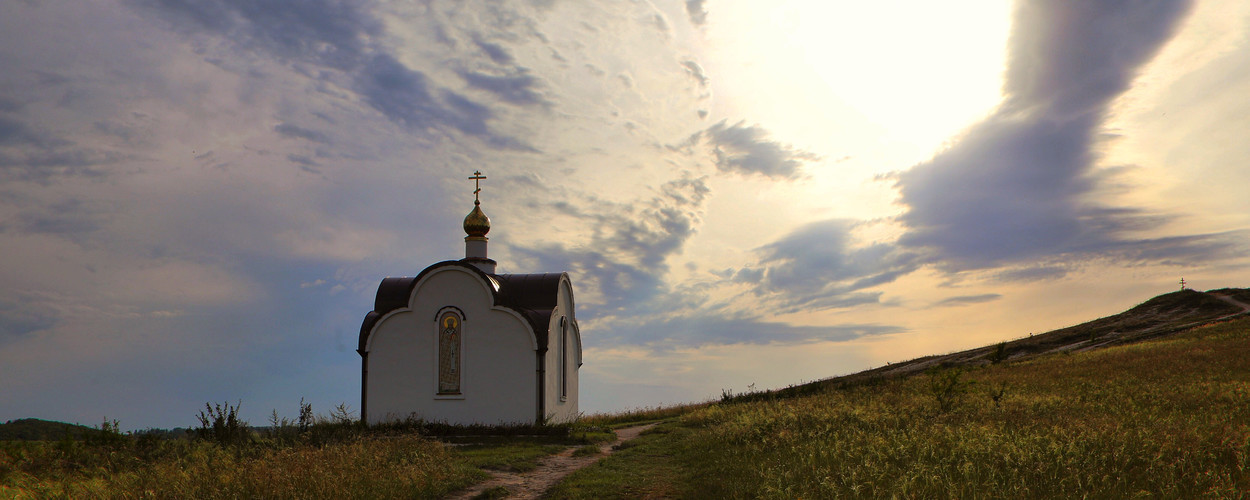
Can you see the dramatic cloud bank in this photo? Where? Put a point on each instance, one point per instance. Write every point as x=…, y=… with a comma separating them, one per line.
x=816, y=267
x=198, y=199
x=1020, y=186
x=1018, y=192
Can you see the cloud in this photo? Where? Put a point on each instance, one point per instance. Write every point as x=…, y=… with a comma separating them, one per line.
x=661, y=24
x=696, y=72
x=495, y=52
x=71, y=217
x=297, y=132
x=743, y=149
x=1019, y=186
x=964, y=300
x=13, y=131
x=129, y=133
x=697, y=12
x=332, y=33
x=624, y=261
x=343, y=36
x=29, y=153
x=8, y=105
x=1029, y=273
x=220, y=264
x=24, y=314
x=1010, y=189
x=519, y=88
x=704, y=330
x=817, y=267
x=307, y=164
x=193, y=266
x=1071, y=59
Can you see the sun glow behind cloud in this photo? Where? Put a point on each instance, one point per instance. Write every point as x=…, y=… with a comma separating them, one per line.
x=922, y=70
x=871, y=88
x=901, y=72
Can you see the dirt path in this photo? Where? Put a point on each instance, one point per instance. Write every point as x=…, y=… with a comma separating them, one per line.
x=1244, y=306
x=532, y=484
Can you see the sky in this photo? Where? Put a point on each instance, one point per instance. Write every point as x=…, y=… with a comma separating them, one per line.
x=199, y=199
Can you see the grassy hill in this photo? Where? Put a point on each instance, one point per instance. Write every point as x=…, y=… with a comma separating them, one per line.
x=1151, y=402
x=1161, y=316
x=33, y=429
x=1081, y=412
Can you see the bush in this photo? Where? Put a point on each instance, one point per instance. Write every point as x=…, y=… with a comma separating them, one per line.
x=220, y=423
x=947, y=388
x=1000, y=353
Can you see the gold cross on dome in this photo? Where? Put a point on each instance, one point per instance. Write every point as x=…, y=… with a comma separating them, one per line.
x=477, y=185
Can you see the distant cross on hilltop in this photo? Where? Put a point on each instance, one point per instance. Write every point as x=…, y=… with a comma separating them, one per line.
x=1182, y=283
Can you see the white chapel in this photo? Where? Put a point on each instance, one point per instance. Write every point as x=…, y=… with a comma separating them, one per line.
x=461, y=344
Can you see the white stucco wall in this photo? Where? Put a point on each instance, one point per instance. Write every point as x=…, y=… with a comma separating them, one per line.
x=558, y=409
x=498, y=380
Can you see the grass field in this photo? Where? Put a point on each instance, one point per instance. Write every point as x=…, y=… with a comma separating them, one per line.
x=327, y=461
x=1165, y=418
x=1168, y=418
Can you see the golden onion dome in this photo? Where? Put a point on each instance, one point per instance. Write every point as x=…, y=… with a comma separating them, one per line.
x=476, y=223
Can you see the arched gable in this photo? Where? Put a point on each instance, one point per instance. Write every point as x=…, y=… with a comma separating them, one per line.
x=569, y=309
x=532, y=297
x=395, y=295
x=489, y=287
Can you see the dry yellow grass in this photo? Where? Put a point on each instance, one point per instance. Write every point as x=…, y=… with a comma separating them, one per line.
x=1164, y=419
x=399, y=467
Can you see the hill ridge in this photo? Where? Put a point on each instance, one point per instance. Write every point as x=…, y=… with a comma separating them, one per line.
x=36, y=429
x=1161, y=316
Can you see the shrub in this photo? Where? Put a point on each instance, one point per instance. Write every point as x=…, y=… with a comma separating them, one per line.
x=947, y=388
x=306, y=418
x=1000, y=353
x=220, y=423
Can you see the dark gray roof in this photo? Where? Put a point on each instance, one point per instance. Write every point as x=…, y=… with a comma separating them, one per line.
x=533, y=296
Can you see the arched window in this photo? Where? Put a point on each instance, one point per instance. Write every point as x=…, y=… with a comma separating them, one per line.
x=564, y=358
x=450, y=329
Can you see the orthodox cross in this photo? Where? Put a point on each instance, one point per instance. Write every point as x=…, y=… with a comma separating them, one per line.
x=477, y=185
x=1182, y=283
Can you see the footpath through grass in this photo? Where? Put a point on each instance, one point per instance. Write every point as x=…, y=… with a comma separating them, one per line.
x=1167, y=419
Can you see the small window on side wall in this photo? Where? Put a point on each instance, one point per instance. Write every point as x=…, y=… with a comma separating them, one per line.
x=564, y=358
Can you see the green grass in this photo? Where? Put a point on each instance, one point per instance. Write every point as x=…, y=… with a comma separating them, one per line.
x=639, y=416
x=327, y=461
x=1168, y=418
x=587, y=451
x=646, y=467
x=514, y=456
x=410, y=467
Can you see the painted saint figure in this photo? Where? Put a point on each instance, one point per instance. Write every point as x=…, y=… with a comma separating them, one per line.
x=449, y=354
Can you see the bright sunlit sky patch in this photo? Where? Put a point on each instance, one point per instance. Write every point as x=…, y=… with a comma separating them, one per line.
x=199, y=199
x=859, y=74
